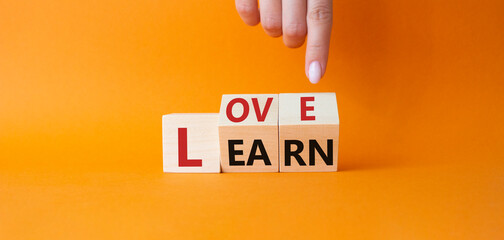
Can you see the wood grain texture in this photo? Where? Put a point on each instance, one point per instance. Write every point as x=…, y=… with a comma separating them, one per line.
x=259, y=128
x=305, y=133
x=268, y=135
x=308, y=132
x=202, y=142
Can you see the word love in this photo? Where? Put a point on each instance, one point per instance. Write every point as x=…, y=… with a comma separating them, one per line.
x=287, y=132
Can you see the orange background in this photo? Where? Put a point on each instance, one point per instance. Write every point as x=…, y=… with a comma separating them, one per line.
x=83, y=86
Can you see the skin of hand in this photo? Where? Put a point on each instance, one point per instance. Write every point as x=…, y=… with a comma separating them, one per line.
x=295, y=19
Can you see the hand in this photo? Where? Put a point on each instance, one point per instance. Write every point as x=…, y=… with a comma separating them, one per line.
x=294, y=19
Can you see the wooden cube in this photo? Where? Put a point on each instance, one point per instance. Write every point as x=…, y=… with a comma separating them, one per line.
x=308, y=132
x=248, y=133
x=191, y=143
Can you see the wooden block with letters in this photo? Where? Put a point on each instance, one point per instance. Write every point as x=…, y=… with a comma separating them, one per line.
x=248, y=133
x=191, y=143
x=308, y=132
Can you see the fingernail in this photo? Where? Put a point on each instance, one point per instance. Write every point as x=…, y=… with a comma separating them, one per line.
x=314, y=72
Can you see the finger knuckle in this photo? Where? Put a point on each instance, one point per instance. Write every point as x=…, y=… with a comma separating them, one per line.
x=320, y=13
x=293, y=44
x=314, y=47
x=295, y=30
x=245, y=9
x=272, y=24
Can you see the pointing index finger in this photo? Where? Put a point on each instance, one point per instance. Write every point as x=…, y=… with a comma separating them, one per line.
x=319, y=21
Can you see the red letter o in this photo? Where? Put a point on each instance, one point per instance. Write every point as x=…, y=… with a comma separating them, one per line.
x=229, y=110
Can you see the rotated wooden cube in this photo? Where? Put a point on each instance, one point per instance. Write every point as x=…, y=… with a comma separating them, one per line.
x=191, y=143
x=308, y=132
x=248, y=133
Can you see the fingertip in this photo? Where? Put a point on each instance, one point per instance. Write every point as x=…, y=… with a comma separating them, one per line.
x=293, y=43
x=272, y=27
x=248, y=11
x=314, y=72
x=252, y=22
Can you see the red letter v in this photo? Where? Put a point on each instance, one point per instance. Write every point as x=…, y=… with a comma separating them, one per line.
x=261, y=117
